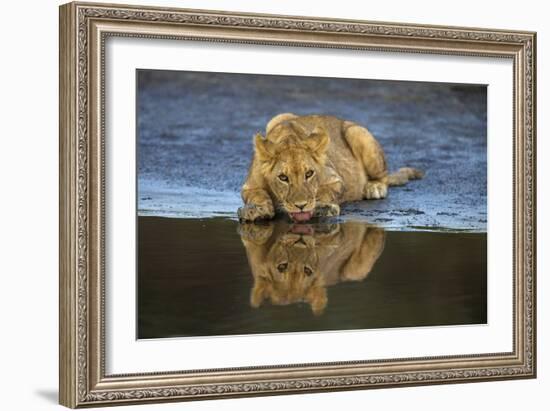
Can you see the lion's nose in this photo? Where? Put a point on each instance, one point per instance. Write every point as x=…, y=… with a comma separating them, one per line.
x=301, y=205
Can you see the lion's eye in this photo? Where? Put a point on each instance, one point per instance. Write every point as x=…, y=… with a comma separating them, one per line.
x=282, y=267
x=308, y=271
x=283, y=177
x=309, y=173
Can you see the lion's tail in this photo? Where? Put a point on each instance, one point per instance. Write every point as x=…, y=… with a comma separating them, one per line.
x=403, y=175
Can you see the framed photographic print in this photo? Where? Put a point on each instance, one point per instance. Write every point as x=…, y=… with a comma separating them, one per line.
x=258, y=204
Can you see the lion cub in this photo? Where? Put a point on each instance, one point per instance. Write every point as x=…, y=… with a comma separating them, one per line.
x=306, y=166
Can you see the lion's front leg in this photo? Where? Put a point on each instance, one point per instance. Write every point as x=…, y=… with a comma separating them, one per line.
x=326, y=210
x=254, y=212
x=258, y=206
x=327, y=200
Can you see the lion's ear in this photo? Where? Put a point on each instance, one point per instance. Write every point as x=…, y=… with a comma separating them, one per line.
x=262, y=148
x=318, y=141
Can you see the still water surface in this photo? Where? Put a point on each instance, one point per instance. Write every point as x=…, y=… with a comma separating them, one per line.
x=205, y=277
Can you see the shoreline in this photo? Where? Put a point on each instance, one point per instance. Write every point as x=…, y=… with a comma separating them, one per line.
x=338, y=220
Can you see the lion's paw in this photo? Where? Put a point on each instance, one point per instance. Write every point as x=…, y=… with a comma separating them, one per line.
x=255, y=212
x=256, y=233
x=326, y=210
x=376, y=190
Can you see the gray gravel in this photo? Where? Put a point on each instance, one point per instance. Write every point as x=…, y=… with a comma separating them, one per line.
x=195, y=142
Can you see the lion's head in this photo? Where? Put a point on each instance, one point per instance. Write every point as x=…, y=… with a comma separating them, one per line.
x=291, y=161
x=290, y=272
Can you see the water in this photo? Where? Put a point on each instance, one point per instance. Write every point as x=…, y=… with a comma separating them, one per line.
x=205, y=277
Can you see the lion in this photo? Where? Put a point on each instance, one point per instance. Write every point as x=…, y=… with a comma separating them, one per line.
x=306, y=166
x=295, y=263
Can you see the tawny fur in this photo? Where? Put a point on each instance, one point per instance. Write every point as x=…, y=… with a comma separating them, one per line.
x=291, y=267
x=312, y=164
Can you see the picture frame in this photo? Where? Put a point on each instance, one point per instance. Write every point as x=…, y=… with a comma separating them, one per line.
x=84, y=30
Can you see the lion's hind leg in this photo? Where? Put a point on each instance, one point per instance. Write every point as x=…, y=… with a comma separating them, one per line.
x=366, y=149
x=375, y=190
x=369, y=244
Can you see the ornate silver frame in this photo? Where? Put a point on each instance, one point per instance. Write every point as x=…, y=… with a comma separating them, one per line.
x=83, y=30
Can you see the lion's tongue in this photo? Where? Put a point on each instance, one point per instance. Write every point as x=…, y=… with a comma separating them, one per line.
x=302, y=229
x=301, y=216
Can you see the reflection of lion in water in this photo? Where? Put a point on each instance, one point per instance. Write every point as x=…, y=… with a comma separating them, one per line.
x=307, y=166
x=295, y=263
